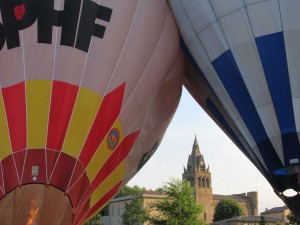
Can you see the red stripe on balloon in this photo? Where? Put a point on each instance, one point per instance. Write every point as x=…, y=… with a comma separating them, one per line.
x=101, y=202
x=115, y=159
x=107, y=114
x=10, y=175
x=62, y=103
x=15, y=106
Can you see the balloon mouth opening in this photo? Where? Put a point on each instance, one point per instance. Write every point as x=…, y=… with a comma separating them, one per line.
x=289, y=193
x=37, y=204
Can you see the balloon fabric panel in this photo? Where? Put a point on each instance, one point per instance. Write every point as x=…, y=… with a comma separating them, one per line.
x=245, y=56
x=83, y=83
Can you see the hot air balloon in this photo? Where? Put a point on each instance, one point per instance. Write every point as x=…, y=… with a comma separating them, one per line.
x=244, y=70
x=88, y=89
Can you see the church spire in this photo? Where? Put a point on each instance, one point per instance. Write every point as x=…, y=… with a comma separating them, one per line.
x=196, y=149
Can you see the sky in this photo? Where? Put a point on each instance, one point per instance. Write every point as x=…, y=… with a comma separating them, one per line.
x=232, y=172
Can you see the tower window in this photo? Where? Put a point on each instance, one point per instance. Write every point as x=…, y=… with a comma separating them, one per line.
x=199, y=181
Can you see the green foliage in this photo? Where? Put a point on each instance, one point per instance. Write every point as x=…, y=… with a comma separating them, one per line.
x=95, y=220
x=180, y=206
x=134, y=212
x=127, y=190
x=105, y=211
x=293, y=219
x=226, y=209
x=262, y=221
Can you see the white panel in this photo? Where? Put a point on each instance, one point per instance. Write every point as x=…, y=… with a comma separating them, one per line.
x=216, y=44
x=265, y=18
x=236, y=28
x=248, y=61
x=204, y=63
x=290, y=14
x=268, y=116
x=239, y=35
x=250, y=2
x=291, y=26
x=183, y=23
x=213, y=41
x=225, y=7
x=197, y=11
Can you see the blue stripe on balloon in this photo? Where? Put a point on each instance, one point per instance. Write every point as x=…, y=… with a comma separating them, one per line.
x=219, y=116
x=272, y=53
x=209, y=104
x=271, y=50
x=233, y=82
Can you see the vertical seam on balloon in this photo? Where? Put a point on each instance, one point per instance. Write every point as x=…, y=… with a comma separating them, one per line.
x=141, y=77
x=8, y=132
x=82, y=198
x=280, y=16
x=3, y=182
x=53, y=73
x=81, y=79
x=25, y=99
x=224, y=89
x=258, y=55
x=125, y=43
x=148, y=106
x=80, y=82
x=132, y=95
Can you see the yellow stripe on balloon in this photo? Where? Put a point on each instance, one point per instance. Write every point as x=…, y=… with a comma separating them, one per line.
x=102, y=154
x=85, y=110
x=38, y=100
x=112, y=180
x=5, y=146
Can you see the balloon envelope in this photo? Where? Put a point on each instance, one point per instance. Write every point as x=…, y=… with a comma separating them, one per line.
x=87, y=91
x=244, y=71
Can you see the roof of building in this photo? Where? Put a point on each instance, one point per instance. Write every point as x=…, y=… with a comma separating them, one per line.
x=237, y=197
x=246, y=219
x=275, y=209
x=147, y=194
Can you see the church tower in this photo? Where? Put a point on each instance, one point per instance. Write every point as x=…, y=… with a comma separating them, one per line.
x=200, y=178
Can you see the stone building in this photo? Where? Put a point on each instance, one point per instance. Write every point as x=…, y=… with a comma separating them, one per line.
x=200, y=178
x=117, y=206
x=249, y=220
x=278, y=212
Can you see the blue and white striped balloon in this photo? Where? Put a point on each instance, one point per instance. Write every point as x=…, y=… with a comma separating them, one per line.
x=245, y=72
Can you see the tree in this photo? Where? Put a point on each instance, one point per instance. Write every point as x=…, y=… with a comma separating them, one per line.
x=96, y=220
x=293, y=219
x=226, y=209
x=127, y=190
x=262, y=221
x=179, y=207
x=134, y=212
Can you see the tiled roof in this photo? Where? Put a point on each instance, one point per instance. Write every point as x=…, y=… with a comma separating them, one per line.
x=276, y=209
x=247, y=219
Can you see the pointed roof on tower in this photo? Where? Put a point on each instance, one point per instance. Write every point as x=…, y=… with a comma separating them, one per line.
x=196, y=149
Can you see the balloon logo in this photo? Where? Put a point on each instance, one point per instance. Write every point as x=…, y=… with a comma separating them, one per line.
x=113, y=138
x=19, y=11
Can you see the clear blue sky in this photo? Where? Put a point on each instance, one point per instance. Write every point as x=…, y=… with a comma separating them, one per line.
x=232, y=172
